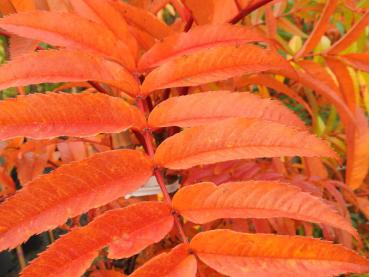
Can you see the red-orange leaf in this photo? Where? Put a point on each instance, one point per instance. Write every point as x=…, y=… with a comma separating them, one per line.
x=205, y=202
x=70, y=190
x=358, y=151
x=270, y=82
x=58, y=29
x=135, y=227
x=357, y=60
x=198, y=38
x=265, y=255
x=319, y=29
x=216, y=64
x=351, y=35
x=344, y=79
x=178, y=262
x=209, y=107
x=323, y=88
x=50, y=115
x=104, y=13
x=143, y=20
x=65, y=66
x=234, y=139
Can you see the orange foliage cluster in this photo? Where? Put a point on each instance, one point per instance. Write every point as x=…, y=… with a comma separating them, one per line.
x=186, y=90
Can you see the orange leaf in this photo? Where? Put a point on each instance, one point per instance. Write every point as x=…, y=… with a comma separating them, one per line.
x=51, y=115
x=234, y=139
x=270, y=82
x=136, y=226
x=205, y=202
x=19, y=46
x=323, y=88
x=198, y=38
x=70, y=190
x=58, y=28
x=224, y=11
x=346, y=84
x=357, y=151
x=104, y=13
x=357, y=60
x=202, y=11
x=143, y=20
x=23, y=5
x=204, y=108
x=65, y=66
x=215, y=64
x=178, y=262
x=319, y=29
x=240, y=254
x=351, y=35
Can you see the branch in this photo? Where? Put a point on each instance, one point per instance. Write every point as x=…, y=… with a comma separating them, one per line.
x=248, y=9
x=148, y=137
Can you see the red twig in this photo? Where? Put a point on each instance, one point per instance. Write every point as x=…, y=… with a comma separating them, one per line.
x=248, y=9
x=98, y=87
x=148, y=137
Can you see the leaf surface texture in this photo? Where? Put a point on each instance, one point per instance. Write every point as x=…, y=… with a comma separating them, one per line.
x=50, y=115
x=58, y=29
x=215, y=64
x=264, y=255
x=234, y=139
x=53, y=66
x=178, y=262
x=137, y=226
x=205, y=202
x=208, y=107
x=199, y=38
x=70, y=190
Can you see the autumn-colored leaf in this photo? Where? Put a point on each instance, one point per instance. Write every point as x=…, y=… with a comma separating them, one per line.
x=205, y=202
x=322, y=88
x=357, y=60
x=50, y=115
x=351, y=35
x=70, y=190
x=6, y=7
x=215, y=64
x=346, y=84
x=234, y=139
x=57, y=28
x=23, y=5
x=198, y=38
x=134, y=228
x=202, y=11
x=224, y=11
x=270, y=82
x=319, y=29
x=204, y=108
x=65, y=66
x=178, y=262
x=240, y=254
x=320, y=72
x=19, y=46
x=358, y=151
x=143, y=20
x=104, y=13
